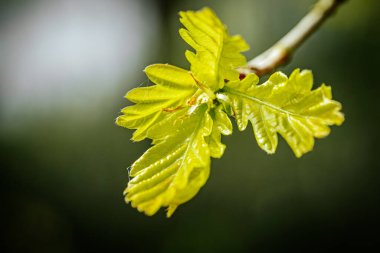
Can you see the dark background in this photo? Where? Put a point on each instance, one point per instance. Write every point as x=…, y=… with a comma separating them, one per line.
x=64, y=68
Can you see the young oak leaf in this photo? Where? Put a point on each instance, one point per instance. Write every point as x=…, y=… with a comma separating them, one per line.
x=173, y=90
x=283, y=105
x=221, y=125
x=185, y=121
x=177, y=114
x=173, y=170
x=217, y=53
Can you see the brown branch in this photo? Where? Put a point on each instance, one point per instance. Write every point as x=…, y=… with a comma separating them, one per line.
x=281, y=51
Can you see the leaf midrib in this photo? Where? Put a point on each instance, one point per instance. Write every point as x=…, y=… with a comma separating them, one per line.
x=261, y=102
x=191, y=139
x=187, y=142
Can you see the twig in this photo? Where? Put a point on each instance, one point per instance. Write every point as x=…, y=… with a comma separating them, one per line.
x=281, y=51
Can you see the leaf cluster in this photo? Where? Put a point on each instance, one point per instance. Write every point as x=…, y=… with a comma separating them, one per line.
x=186, y=112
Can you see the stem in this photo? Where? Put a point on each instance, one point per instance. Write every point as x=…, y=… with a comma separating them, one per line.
x=281, y=51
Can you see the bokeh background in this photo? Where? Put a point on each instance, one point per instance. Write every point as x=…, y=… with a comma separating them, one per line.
x=65, y=66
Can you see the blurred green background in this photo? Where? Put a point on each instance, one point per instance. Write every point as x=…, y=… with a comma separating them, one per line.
x=64, y=68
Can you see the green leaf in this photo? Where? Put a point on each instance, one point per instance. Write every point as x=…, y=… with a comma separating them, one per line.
x=186, y=113
x=173, y=170
x=285, y=106
x=217, y=54
x=222, y=125
x=173, y=90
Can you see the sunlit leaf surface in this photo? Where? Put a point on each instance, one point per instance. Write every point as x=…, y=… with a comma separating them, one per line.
x=287, y=106
x=174, y=87
x=222, y=126
x=172, y=171
x=185, y=113
x=217, y=54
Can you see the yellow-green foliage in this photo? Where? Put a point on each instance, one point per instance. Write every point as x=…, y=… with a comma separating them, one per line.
x=217, y=54
x=283, y=105
x=174, y=87
x=186, y=112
